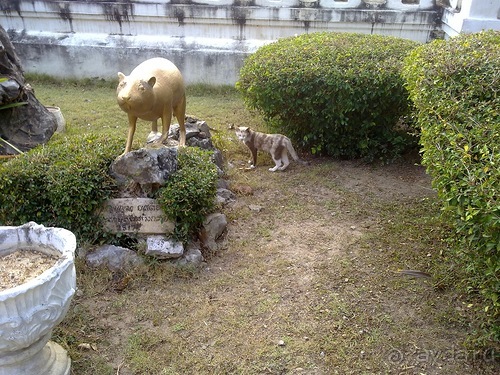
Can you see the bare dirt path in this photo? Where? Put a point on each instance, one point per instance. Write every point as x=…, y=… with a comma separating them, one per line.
x=316, y=238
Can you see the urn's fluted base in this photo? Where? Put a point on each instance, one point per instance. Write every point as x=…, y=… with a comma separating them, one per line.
x=52, y=359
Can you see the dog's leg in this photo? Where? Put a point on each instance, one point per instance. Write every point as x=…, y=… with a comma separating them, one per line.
x=277, y=166
x=284, y=159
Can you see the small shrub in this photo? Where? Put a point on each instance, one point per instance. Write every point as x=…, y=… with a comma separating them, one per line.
x=455, y=86
x=339, y=94
x=189, y=194
x=60, y=184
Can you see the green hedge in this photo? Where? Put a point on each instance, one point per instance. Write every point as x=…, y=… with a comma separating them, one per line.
x=65, y=183
x=60, y=184
x=338, y=94
x=455, y=86
x=189, y=194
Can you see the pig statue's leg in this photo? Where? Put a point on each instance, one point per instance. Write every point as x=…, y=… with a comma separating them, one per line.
x=180, y=115
x=153, y=135
x=132, y=122
x=166, y=118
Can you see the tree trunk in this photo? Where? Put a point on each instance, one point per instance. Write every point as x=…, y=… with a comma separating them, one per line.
x=24, y=121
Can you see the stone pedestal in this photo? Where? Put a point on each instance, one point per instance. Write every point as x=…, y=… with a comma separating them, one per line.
x=29, y=311
x=42, y=358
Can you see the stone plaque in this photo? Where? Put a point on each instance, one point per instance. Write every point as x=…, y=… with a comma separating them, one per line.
x=135, y=215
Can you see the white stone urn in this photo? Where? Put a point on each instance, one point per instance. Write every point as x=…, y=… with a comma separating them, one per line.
x=61, y=122
x=29, y=311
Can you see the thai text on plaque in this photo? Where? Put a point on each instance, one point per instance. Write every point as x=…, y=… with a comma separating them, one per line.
x=135, y=215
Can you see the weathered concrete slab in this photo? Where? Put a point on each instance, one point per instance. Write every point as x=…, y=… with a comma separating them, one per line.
x=163, y=247
x=135, y=215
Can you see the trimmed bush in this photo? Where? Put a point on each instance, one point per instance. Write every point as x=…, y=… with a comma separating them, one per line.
x=455, y=86
x=189, y=194
x=60, y=184
x=337, y=94
x=65, y=183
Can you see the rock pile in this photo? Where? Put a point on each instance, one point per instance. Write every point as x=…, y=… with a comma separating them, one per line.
x=140, y=173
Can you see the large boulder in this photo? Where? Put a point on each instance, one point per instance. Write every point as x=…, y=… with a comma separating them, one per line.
x=115, y=258
x=148, y=166
x=24, y=121
x=212, y=230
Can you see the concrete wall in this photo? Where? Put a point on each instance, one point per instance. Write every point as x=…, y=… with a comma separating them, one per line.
x=207, y=39
x=470, y=16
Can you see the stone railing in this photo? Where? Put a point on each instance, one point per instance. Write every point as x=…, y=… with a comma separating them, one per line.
x=206, y=39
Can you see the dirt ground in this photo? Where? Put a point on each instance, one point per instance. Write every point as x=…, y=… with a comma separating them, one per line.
x=306, y=282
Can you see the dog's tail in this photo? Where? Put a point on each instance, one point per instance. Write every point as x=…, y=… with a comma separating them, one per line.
x=294, y=155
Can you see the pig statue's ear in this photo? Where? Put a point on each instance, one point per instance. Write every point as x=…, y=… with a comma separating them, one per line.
x=121, y=76
x=152, y=81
